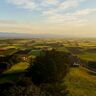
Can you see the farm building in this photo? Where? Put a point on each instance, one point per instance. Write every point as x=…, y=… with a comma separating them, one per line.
x=9, y=57
x=75, y=61
x=22, y=54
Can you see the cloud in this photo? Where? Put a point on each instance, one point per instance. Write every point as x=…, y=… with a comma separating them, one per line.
x=34, y=4
x=65, y=19
x=75, y=18
x=7, y=22
x=69, y=4
x=62, y=6
x=57, y=11
x=14, y=24
x=41, y=4
x=26, y=4
x=50, y=2
x=85, y=12
x=49, y=12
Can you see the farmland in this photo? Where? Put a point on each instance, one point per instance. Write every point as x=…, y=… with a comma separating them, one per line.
x=18, y=53
x=81, y=82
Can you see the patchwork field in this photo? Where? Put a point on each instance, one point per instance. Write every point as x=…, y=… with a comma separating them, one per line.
x=80, y=81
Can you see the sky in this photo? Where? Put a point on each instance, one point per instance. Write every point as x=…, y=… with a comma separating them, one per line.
x=75, y=18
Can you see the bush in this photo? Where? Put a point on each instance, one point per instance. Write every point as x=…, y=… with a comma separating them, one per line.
x=21, y=88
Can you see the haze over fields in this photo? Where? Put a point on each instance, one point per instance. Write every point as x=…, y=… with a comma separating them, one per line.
x=52, y=18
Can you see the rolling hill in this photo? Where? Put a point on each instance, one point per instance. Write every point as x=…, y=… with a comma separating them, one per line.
x=81, y=82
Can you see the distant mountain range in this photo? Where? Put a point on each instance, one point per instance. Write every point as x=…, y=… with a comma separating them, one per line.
x=24, y=35
x=27, y=35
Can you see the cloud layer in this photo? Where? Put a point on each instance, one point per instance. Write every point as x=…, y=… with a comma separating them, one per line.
x=65, y=17
x=57, y=11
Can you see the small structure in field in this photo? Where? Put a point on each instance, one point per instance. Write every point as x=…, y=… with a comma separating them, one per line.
x=75, y=61
x=24, y=58
x=76, y=64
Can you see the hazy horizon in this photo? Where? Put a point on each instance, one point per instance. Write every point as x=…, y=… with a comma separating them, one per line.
x=48, y=18
x=18, y=35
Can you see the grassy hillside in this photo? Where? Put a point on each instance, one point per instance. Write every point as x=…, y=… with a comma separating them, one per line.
x=14, y=73
x=81, y=82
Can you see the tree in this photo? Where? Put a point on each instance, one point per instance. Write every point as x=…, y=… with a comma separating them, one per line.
x=49, y=68
x=48, y=71
x=4, y=66
x=24, y=87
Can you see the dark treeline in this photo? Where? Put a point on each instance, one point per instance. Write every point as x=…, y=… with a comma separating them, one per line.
x=91, y=65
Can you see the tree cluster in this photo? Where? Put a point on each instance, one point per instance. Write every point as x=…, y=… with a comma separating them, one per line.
x=48, y=71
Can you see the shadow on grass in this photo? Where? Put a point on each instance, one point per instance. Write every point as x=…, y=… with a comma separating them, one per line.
x=92, y=73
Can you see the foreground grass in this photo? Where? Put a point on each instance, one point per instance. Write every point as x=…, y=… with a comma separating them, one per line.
x=81, y=82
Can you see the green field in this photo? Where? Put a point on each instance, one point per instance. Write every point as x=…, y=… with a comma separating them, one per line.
x=81, y=82
x=35, y=52
x=18, y=67
x=88, y=56
x=62, y=49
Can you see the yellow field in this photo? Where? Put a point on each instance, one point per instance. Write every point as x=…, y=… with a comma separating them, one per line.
x=18, y=67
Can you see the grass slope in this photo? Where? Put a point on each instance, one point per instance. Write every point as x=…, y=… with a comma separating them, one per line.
x=19, y=67
x=14, y=73
x=81, y=82
x=88, y=56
